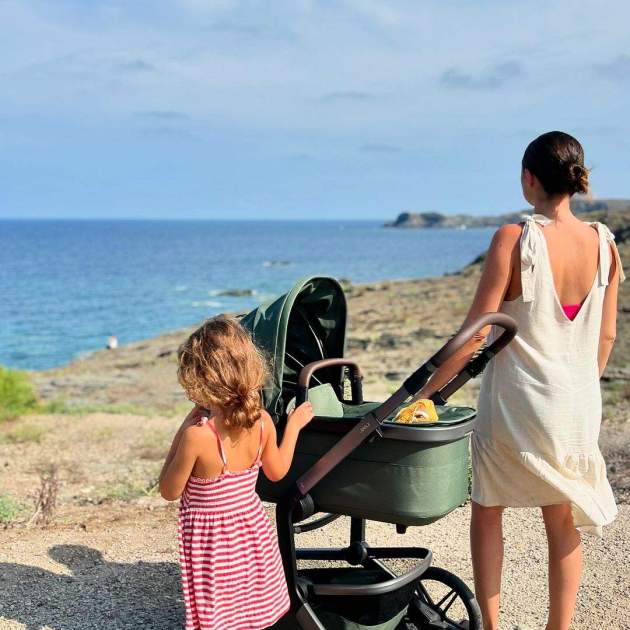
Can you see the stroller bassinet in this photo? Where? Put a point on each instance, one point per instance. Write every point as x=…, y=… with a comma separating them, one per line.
x=352, y=460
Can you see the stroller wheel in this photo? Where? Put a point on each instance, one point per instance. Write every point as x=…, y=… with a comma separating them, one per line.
x=443, y=602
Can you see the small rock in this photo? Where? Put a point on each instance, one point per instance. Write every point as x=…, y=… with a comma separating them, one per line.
x=236, y=293
x=357, y=343
x=396, y=375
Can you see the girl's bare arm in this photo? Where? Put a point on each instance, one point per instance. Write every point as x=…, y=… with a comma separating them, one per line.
x=276, y=460
x=608, y=329
x=169, y=468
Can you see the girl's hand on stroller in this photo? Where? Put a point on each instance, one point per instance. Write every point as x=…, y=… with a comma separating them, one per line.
x=301, y=415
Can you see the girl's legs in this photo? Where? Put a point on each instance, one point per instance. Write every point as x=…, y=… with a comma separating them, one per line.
x=565, y=564
x=486, y=544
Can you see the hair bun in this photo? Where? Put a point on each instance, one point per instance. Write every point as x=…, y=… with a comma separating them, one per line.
x=578, y=178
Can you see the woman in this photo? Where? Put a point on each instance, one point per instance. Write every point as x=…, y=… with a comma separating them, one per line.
x=539, y=412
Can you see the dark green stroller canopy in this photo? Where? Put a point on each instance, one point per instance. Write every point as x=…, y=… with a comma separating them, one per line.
x=304, y=325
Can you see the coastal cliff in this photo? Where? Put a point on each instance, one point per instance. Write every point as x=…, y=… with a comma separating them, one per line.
x=579, y=205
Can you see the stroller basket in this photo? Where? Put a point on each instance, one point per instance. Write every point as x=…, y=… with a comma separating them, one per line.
x=351, y=610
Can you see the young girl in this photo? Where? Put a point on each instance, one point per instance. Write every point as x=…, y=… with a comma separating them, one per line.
x=232, y=576
x=539, y=412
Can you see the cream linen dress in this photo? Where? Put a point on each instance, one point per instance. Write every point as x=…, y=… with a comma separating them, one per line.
x=540, y=408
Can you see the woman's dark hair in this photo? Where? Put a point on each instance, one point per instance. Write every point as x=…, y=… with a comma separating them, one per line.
x=557, y=160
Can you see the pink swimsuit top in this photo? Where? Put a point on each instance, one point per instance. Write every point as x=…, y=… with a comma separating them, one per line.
x=571, y=310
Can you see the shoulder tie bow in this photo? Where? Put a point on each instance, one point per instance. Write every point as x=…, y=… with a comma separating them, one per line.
x=530, y=244
x=607, y=240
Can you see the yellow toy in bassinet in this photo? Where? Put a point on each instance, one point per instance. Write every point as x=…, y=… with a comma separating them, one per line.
x=422, y=410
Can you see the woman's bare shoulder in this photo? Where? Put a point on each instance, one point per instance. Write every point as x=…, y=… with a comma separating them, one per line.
x=507, y=237
x=510, y=231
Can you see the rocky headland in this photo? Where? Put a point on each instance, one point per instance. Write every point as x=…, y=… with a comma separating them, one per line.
x=579, y=205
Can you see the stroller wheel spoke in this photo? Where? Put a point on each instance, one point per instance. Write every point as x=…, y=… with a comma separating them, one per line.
x=425, y=594
x=451, y=592
x=445, y=609
x=450, y=606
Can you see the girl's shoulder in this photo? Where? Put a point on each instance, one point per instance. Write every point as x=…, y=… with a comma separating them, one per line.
x=200, y=433
x=267, y=427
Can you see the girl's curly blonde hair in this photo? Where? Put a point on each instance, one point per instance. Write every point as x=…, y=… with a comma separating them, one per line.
x=219, y=366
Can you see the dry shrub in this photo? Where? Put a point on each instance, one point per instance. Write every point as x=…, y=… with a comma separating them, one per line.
x=46, y=502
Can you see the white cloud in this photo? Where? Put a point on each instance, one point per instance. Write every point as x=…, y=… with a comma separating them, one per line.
x=351, y=69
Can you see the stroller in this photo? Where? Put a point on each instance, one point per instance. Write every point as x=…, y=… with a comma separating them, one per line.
x=353, y=460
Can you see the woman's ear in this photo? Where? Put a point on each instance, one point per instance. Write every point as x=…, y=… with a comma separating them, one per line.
x=528, y=178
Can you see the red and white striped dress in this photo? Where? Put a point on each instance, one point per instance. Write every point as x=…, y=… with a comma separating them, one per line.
x=232, y=576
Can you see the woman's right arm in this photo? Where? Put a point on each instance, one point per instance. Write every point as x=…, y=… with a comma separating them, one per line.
x=608, y=330
x=276, y=460
x=502, y=257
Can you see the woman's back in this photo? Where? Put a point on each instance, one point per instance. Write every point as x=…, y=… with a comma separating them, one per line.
x=573, y=253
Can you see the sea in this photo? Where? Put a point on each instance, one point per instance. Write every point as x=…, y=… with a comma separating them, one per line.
x=66, y=286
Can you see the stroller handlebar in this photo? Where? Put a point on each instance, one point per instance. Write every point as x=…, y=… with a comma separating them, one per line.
x=476, y=365
x=468, y=332
x=418, y=379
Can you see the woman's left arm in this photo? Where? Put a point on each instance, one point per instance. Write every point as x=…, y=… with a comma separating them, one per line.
x=501, y=259
x=608, y=330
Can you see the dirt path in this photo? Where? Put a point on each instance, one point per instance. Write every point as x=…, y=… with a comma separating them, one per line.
x=121, y=571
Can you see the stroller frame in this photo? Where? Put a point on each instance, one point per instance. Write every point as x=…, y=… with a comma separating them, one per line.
x=299, y=505
x=295, y=507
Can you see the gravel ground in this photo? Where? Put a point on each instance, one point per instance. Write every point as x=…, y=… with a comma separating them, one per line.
x=101, y=573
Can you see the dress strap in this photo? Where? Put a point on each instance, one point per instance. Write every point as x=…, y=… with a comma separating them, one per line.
x=606, y=240
x=260, y=446
x=530, y=251
x=210, y=424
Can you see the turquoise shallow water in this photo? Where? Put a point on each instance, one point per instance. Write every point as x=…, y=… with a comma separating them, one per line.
x=65, y=286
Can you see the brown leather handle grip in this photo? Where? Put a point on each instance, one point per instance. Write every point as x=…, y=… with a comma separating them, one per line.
x=476, y=365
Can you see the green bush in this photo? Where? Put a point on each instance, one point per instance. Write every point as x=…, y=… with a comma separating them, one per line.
x=9, y=509
x=16, y=394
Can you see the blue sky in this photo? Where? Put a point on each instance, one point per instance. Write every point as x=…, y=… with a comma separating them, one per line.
x=301, y=108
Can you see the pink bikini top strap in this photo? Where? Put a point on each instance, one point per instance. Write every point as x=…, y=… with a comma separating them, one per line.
x=210, y=424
